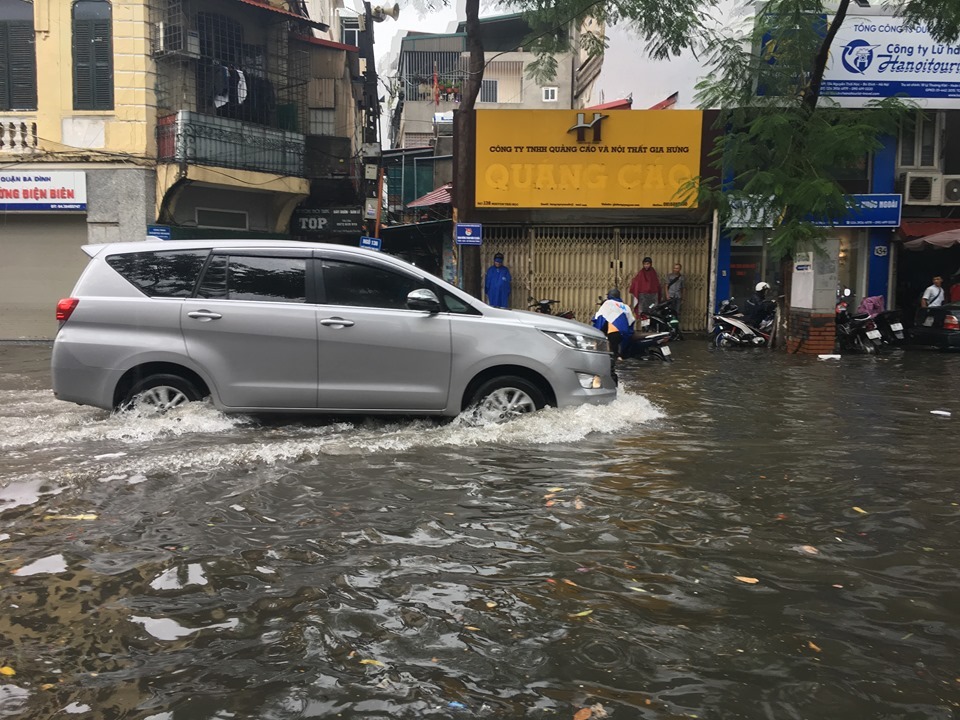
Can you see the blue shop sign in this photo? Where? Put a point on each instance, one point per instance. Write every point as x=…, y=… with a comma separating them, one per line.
x=469, y=234
x=873, y=210
x=371, y=243
x=161, y=232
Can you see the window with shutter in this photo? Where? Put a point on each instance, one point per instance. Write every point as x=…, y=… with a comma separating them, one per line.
x=92, y=55
x=18, y=59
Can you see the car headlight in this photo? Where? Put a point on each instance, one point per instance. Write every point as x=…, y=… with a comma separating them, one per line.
x=578, y=341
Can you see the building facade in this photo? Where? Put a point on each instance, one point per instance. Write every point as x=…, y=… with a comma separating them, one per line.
x=177, y=118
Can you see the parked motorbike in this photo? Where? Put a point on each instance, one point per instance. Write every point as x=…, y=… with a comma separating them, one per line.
x=661, y=317
x=650, y=344
x=856, y=332
x=731, y=330
x=546, y=307
x=888, y=322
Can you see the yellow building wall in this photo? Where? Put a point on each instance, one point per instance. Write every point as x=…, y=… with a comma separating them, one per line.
x=130, y=126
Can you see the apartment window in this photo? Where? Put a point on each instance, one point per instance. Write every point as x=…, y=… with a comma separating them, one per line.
x=920, y=141
x=350, y=31
x=323, y=122
x=18, y=59
x=488, y=91
x=549, y=94
x=92, y=55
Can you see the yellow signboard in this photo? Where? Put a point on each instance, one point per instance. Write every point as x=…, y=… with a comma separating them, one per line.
x=586, y=158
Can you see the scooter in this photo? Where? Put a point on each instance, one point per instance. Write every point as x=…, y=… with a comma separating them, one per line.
x=650, y=344
x=858, y=332
x=888, y=322
x=546, y=307
x=730, y=329
x=661, y=317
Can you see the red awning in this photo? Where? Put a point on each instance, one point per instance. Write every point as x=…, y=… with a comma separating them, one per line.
x=921, y=227
x=264, y=5
x=667, y=103
x=440, y=196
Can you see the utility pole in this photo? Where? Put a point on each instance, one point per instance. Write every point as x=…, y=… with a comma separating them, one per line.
x=464, y=148
x=371, y=126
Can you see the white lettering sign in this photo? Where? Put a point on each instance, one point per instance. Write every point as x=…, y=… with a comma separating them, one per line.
x=42, y=191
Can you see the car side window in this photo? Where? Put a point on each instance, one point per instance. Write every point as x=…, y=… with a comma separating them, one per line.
x=169, y=273
x=255, y=278
x=362, y=285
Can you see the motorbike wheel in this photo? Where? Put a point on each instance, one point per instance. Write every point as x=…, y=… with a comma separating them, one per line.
x=721, y=342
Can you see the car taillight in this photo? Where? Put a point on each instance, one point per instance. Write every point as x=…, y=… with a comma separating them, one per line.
x=65, y=308
x=950, y=322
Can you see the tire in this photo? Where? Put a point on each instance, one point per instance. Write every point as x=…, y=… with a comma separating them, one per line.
x=506, y=398
x=721, y=342
x=159, y=393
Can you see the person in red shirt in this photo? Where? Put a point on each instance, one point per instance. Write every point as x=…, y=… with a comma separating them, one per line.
x=645, y=287
x=955, y=288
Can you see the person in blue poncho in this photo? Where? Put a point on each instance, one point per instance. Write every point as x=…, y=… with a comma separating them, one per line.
x=616, y=319
x=496, y=283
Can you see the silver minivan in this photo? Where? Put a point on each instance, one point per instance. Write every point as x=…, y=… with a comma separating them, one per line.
x=288, y=326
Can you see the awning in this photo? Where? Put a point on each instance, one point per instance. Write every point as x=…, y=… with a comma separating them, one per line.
x=440, y=196
x=937, y=241
x=264, y=5
x=921, y=227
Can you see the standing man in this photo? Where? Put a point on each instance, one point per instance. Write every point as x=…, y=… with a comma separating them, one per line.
x=675, y=287
x=496, y=283
x=933, y=295
x=645, y=288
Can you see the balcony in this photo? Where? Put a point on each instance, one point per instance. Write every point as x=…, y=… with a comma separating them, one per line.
x=197, y=139
x=18, y=136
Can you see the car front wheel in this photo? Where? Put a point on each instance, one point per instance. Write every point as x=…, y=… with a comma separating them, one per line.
x=505, y=398
x=159, y=393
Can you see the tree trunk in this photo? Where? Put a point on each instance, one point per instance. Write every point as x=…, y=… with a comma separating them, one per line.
x=812, y=93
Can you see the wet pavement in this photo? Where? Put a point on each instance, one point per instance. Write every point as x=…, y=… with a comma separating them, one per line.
x=742, y=534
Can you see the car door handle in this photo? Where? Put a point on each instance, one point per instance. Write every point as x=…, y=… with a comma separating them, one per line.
x=336, y=322
x=204, y=315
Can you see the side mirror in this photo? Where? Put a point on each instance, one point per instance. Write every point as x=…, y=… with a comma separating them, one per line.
x=423, y=299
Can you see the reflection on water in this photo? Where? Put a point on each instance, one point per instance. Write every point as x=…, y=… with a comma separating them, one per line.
x=744, y=535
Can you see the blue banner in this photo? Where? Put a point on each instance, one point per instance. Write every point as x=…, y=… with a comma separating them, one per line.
x=469, y=234
x=875, y=210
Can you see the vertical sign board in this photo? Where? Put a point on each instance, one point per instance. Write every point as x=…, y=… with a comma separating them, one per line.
x=469, y=234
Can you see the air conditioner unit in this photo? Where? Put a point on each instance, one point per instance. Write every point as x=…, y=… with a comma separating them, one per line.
x=922, y=188
x=951, y=189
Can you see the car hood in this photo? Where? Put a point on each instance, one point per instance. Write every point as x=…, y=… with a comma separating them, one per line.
x=546, y=322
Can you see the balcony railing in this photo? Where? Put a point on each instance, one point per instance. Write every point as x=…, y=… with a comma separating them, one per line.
x=18, y=136
x=198, y=139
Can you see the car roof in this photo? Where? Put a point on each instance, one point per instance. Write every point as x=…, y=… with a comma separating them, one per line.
x=208, y=244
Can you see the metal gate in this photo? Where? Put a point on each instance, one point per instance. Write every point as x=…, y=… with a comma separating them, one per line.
x=576, y=264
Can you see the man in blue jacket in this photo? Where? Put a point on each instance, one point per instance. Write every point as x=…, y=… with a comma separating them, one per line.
x=496, y=283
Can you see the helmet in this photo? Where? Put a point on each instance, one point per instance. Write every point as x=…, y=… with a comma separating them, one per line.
x=613, y=294
x=762, y=287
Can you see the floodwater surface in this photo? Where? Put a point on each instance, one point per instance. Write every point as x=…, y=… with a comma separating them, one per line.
x=742, y=534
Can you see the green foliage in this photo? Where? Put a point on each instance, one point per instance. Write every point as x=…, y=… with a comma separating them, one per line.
x=942, y=17
x=783, y=150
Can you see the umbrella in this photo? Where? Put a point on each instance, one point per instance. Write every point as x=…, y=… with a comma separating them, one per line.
x=938, y=241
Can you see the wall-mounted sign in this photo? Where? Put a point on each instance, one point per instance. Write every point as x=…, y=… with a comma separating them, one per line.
x=469, y=234
x=161, y=232
x=324, y=222
x=873, y=210
x=42, y=190
x=586, y=159
x=371, y=243
x=803, y=262
x=878, y=56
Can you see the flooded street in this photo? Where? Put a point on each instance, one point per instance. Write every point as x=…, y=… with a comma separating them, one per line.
x=742, y=534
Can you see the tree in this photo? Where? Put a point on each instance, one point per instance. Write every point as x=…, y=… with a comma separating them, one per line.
x=784, y=148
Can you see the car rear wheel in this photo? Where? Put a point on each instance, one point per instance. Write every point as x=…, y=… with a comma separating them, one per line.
x=505, y=398
x=159, y=393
